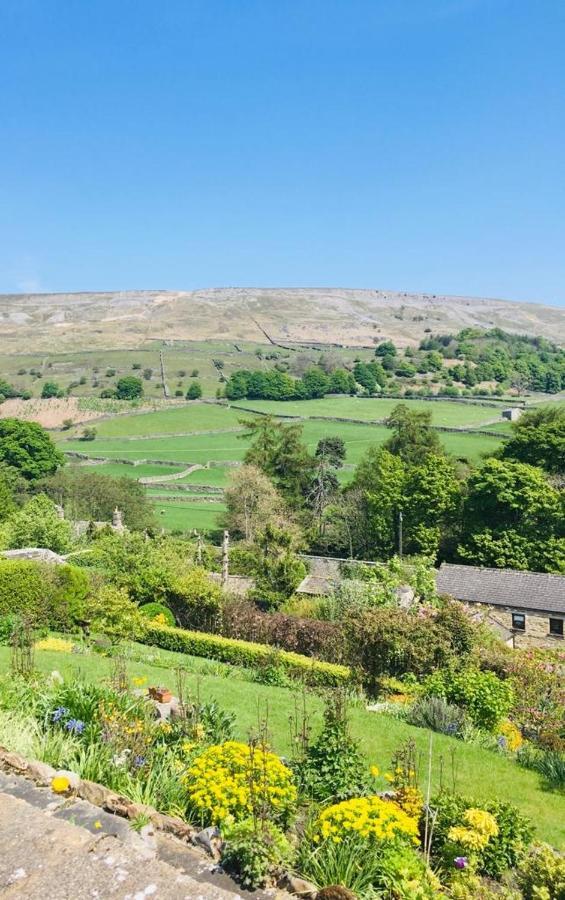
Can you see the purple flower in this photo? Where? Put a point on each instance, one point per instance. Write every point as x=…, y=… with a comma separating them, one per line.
x=139, y=761
x=75, y=726
x=460, y=862
x=59, y=713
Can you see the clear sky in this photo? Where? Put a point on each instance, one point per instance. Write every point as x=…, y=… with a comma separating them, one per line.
x=402, y=144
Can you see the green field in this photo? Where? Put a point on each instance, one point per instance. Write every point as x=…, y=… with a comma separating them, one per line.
x=121, y=470
x=478, y=772
x=444, y=412
x=176, y=436
x=201, y=515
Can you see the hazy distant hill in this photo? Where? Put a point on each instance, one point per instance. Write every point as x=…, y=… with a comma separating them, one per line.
x=117, y=319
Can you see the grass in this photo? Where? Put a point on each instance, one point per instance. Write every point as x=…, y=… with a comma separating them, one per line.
x=193, y=417
x=443, y=412
x=479, y=773
x=185, y=516
x=120, y=470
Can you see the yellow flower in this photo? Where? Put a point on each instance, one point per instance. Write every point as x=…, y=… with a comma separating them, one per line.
x=369, y=817
x=139, y=680
x=374, y=771
x=55, y=644
x=60, y=784
x=98, y=824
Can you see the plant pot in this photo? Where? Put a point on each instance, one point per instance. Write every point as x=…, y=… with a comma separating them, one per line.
x=161, y=695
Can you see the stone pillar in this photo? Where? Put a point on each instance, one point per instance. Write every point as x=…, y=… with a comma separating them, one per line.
x=225, y=558
x=60, y=511
x=117, y=523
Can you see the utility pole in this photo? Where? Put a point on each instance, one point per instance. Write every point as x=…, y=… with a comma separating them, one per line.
x=400, y=519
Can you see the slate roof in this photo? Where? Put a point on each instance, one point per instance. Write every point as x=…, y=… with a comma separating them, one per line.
x=503, y=587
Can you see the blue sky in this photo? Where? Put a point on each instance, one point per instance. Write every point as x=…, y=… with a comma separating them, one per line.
x=403, y=144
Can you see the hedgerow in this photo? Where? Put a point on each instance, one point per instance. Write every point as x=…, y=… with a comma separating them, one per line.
x=243, y=653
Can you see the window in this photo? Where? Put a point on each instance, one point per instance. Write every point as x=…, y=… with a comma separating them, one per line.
x=556, y=627
x=518, y=621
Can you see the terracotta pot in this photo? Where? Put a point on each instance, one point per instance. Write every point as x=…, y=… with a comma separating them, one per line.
x=161, y=695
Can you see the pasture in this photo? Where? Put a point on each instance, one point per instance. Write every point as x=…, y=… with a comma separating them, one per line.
x=203, y=433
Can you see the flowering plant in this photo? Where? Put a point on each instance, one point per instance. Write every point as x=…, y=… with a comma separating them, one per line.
x=228, y=782
x=371, y=818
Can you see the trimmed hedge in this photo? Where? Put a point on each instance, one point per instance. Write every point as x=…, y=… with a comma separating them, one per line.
x=244, y=653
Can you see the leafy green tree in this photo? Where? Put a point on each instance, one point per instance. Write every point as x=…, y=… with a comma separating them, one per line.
x=129, y=388
x=512, y=514
x=37, y=524
x=278, y=450
x=279, y=570
x=538, y=438
x=387, y=348
x=380, y=478
x=315, y=383
x=252, y=503
x=365, y=377
x=88, y=495
x=342, y=382
x=194, y=392
x=51, y=389
x=27, y=448
x=413, y=437
x=431, y=502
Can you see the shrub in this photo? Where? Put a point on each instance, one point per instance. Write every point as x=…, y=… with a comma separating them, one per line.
x=255, y=853
x=7, y=625
x=231, y=780
x=112, y=612
x=309, y=637
x=48, y=595
x=37, y=524
x=483, y=695
x=437, y=714
x=503, y=850
x=541, y=876
x=195, y=600
x=333, y=766
x=372, y=818
x=157, y=611
x=550, y=764
x=243, y=653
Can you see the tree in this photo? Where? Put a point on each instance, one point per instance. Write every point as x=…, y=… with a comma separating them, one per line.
x=194, y=392
x=315, y=383
x=538, y=438
x=129, y=388
x=329, y=457
x=88, y=495
x=37, y=524
x=431, y=503
x=252, y=503
x=514, y=515
x=7, y=502
x=387, y=348
x=279, y=570
x=380, y=476
x=278, y=450
x=413, y=437
x=26, y=447
x=342, y=382
x=365, y=377
x=51, y=389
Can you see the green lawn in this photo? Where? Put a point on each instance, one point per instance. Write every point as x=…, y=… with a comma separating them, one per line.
x=201, y=448
x=444, y=412
x=173, y=515
x=179, y=420
x=216, y=476
x=119, y=470
x=480, y=773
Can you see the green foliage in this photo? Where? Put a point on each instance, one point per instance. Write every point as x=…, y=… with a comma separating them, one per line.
x=255, y=853
x=129, y=388
x=512, y=516
x=194, y=391
x=279, y=570
x=550, y=764
x=333, y=767
x=45, y=594
x=243, y=653
x=8, y=623
x=502, y=851
x=538, y=438
x=37, y=524
x=195, y=600
x=51, y=389
x=438, y=715
x=152, y=610
x=278, y=450
x=87, y=495
x=413, y=438
x=111, y=612
x=541, y=875
x=27, y=447
x=485, y=697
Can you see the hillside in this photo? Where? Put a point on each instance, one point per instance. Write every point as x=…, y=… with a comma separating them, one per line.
x=128, y=319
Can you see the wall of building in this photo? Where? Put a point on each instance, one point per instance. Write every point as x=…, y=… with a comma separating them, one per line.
x=537, y=627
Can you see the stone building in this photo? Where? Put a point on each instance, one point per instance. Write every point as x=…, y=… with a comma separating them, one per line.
x=527, y=608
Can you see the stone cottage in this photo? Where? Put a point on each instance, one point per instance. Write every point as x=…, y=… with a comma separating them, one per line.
x=528, y=607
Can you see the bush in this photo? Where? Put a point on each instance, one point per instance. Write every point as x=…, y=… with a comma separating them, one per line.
x=195, y=600
x=49, y=595
x=157, y=611
x=437, y=714
x=233, y=780
x=550, y=764
x=309, y=637
x=113, y=613
x=541, y=876
x=8, y=623
x=243, y=653
x=333, y=767
x=255, y=854
x=502, y=851
x=483, y=695
x=395, y=641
